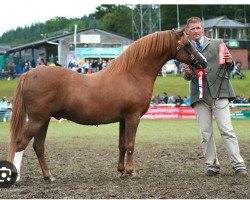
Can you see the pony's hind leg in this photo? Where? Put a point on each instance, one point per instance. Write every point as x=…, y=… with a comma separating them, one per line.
x=30, y=130
x=38, y=146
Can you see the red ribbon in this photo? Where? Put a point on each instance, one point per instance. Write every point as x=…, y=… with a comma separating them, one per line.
x=200, y=74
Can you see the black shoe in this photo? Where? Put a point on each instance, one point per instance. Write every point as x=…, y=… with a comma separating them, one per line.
x=241, y=172
x=212, y=173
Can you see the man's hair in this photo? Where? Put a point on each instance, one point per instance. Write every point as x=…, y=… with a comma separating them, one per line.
x=193, y=20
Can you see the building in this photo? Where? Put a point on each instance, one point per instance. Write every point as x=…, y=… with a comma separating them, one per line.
x=233, y=34
x=85, y=44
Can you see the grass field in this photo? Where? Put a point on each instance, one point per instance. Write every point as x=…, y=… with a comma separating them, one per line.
x=173, y=85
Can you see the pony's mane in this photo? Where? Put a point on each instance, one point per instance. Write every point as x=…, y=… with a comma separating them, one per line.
x=144, y=47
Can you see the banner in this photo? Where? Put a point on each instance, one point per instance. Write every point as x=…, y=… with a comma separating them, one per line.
x=169, y=112
x=238, y=111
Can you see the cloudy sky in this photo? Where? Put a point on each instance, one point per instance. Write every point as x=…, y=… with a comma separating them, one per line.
x=21, y=13
x=18, y=13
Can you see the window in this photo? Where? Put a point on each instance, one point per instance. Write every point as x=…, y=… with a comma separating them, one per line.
x=111, y=45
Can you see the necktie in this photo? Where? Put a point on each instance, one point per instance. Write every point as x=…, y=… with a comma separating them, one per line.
x=198, y=46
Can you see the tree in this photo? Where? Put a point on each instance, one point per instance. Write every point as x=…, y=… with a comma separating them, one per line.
x=119, y=20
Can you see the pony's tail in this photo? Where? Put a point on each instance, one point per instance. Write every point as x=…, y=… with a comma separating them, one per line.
x=17, y=118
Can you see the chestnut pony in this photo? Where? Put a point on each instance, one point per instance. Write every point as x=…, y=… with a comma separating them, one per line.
x=119, y=93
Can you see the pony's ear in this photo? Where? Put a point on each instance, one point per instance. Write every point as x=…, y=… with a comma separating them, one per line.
x=181, y=32
x=186, y=33
x=186, y=30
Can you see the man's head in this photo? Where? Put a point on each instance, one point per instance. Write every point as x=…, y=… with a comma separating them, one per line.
x=194, y=28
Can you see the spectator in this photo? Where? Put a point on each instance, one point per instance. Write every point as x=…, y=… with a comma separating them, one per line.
x=42, y=62
x=104, y=64
x=178, y=101
x=57, y=62
x=153, y=100
x=3, y=103
x=85, y=67
x=165, y=98
x=237, y=100
x=11, y=69
x=186, y=101
x=71, y=65
x=171, y=99
x=33, y=63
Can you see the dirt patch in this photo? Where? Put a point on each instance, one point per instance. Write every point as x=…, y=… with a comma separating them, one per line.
x=163, y=172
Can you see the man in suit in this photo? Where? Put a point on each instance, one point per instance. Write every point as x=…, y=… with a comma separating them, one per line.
x=210, y=94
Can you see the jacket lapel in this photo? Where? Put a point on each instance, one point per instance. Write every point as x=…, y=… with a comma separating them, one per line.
x=206, y=42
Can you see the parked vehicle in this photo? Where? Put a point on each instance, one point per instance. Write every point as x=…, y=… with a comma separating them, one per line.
x=169, y=68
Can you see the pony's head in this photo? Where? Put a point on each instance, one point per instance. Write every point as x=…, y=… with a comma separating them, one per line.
x=186, y=52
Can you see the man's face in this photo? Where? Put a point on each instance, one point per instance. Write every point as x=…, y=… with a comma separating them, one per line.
x=195, y=31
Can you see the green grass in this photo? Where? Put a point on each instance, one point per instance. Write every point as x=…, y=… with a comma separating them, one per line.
x=175, y=131
x=7, y=88
x=176, y=85
x=170, y=84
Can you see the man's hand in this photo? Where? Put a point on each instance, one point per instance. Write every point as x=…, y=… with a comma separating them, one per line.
x=228, y=57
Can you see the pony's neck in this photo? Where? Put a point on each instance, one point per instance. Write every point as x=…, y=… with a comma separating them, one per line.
x=146, y=55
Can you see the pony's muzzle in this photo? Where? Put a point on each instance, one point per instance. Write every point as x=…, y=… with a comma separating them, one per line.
x=199, y=62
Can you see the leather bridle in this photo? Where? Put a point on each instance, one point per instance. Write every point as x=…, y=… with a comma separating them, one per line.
x=186, y=48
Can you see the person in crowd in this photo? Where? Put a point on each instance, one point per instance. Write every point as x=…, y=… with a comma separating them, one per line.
x=104, y=64
x=186, y=100
x=171, y=99
x=165, y=98
x=42, y=62
x=57, y=62
x=212, y=98
x=33, y=63
x=178, y=101
x=238, y=99
x=71, y=65
x=86, y=66
x=11, y=69
x=26, y=65
x=3, y=103
x=155, y=100
x=94, y=65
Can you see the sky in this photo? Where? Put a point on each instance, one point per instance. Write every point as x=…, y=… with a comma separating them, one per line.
x=21, y=13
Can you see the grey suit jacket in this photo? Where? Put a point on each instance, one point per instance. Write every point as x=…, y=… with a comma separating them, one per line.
x=216, y=82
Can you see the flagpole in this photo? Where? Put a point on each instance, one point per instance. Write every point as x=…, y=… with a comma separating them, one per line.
x=178, y=18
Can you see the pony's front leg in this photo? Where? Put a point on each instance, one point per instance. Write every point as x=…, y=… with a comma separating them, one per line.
x=131, y=125
x=122, y=147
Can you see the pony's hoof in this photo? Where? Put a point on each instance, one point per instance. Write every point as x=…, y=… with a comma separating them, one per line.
x=49, y=178
x=133, y=174
x=120, y=174
x=18, y=178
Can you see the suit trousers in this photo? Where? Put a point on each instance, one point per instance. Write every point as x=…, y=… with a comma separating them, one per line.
x=221, y=111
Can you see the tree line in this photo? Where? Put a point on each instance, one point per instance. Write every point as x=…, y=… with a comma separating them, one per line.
x=118, y=19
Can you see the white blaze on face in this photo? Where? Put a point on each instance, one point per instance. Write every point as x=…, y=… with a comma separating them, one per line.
x=17, y=162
